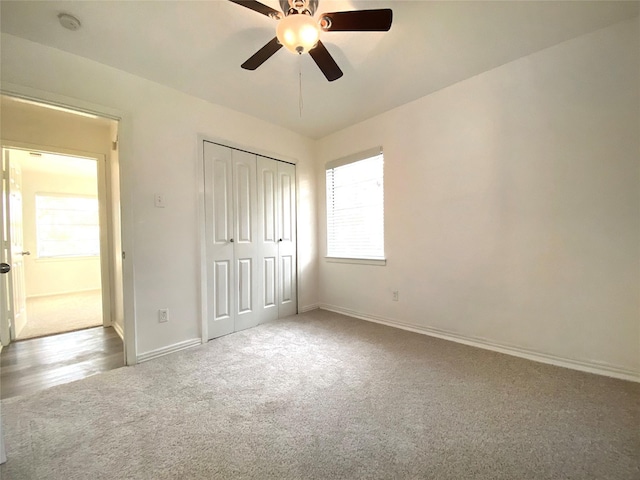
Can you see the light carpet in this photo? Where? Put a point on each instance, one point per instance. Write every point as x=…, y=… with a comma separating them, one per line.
x=324, y=396
x=55, y=314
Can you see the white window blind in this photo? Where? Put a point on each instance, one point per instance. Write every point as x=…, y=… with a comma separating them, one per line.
x=67, y=226
x=355, y=207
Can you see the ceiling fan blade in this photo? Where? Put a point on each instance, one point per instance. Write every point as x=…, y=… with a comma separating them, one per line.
x=325, y=62
x=258, y=7
x=262, y=55
x=359, y=21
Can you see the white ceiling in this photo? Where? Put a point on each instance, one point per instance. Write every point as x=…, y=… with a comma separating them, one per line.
x=197, y=47
x=53, y=164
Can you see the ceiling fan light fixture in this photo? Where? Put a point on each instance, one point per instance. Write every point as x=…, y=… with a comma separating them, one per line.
x=299, y=33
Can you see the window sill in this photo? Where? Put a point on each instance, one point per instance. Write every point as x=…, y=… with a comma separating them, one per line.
x=358, y=261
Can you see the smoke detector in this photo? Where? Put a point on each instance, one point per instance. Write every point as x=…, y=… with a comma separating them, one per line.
x=69, y=21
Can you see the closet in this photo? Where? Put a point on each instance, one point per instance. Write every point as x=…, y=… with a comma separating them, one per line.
x=250, y=228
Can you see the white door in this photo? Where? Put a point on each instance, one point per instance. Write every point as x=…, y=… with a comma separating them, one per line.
x=268, y=201
x=250, y=239
x=231, y=239
x=245, y=239
x=219, y=229
x=13, y=248
x=287, y=277
x=277, y=234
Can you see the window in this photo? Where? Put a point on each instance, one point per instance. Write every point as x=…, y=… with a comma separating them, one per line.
x=355, y=206
x=67, y=226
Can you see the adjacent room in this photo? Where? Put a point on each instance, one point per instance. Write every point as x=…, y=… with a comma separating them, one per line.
x=405, y=245
x=61, y=241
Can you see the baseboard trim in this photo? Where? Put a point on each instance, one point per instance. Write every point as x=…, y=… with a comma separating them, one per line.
x=176, y=347
x=119, y=330
x=598, y=369
x=308, y=308
x=70, y=292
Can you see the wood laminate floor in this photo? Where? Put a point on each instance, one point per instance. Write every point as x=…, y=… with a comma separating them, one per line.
x=28, y=366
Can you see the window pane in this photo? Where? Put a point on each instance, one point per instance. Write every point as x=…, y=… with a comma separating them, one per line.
x=355, y=209
x=67, y=226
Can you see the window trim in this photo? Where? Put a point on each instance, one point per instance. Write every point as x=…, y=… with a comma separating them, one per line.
x=357, y=261
x=353, y=158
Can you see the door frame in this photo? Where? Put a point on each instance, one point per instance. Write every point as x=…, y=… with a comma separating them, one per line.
x=106, y=250
x=202, y=236
x=123, y=202
x=6, y=286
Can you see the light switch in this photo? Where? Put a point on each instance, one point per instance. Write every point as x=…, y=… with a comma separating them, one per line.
x=159, y=200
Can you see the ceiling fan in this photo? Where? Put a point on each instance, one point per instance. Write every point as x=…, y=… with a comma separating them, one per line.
x=299, y=32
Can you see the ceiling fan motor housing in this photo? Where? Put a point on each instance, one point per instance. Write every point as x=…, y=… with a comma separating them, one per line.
x=308, y=7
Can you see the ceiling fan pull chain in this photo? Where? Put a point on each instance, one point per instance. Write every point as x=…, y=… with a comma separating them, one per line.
x=300, y=84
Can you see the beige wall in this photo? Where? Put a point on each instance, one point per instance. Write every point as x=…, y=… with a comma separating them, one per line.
x=512, y=207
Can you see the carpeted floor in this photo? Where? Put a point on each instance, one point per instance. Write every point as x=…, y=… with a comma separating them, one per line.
x=323, y=396
x=62, y=313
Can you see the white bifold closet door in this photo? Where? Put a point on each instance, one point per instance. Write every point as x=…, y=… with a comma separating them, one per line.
x=277, y=238
x=250, y=239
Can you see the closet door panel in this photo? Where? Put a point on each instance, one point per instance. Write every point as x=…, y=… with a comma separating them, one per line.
x=245, y=195
x=269, y=295
x=222, y=289
x=218, y=232
x=245, y=281
x=268, y=210
x=287, y=274
x=222, y=220
x=245, y=240
x=287, y=294
x=268, y=237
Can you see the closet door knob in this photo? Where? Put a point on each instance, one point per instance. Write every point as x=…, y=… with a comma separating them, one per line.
x=279, y=239
x=231, y=240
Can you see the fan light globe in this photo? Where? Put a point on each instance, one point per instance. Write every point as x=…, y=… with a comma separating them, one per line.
x=299, y=33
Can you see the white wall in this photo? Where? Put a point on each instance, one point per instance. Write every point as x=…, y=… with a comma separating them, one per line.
x=158, y=154
x=51, y=276
x=512, y=207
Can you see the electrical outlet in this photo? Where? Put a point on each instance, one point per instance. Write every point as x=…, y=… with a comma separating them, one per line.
x=163, y=315
x=394, y=295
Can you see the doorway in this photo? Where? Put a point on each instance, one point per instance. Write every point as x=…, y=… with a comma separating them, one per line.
x=61, y=213
x=55, y=208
